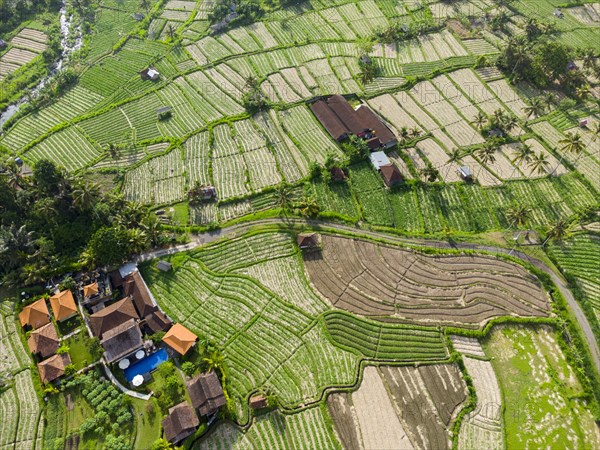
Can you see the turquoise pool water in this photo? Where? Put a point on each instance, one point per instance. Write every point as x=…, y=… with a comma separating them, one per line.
x=148, y=364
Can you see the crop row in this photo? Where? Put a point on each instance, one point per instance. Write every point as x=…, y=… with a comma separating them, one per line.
x=385, y=341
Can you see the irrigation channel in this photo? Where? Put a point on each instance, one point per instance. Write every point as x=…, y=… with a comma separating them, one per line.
x=316, y=225
x=68, y=45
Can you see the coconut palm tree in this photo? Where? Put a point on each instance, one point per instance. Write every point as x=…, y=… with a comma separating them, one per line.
x=535, y=108
x=283, y=195
x=85, y=195
x=480, y=120
x=595, y=130
x=540, y=164
x=518, y=215
x=214, y=360
x=508, y=122
x=171, y=31
x=559, y=230
x=138, y=240
x=454, y=157
x=430, y=173
x=523, y=154
x=572, y=143
x=309, y=207
x=486, y=154
x=415, y=133
x=549, y=100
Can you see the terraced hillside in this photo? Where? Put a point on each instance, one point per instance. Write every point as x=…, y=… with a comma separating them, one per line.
x=249, y=296
x=377, y=280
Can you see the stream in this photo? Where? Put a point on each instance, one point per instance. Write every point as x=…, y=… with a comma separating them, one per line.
x=65, y=30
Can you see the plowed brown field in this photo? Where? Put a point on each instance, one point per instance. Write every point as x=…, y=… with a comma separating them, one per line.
x=379, y=280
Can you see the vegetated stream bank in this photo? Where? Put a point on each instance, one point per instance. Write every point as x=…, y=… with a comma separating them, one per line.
x=68, y=47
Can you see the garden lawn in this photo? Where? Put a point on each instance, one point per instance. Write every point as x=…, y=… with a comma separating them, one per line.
x=79, y=350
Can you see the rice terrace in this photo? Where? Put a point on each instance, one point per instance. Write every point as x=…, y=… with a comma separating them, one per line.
x=300, y=224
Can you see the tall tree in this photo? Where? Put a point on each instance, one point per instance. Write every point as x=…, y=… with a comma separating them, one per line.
x=540, y=164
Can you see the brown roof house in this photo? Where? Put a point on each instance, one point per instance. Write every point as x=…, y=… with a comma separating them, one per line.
x=134, y=287
x=158, y=321
x=122, y=340
x=181, y=422
x=180, y=339
x=391, y=175
x=341, y=120
x=43, y=341
x=258, y=401
x=112, y=316
x=206, y=393
x=330, y=120
x=308, y=240
x=63, y=305
x=35, y=315
x=53, y=367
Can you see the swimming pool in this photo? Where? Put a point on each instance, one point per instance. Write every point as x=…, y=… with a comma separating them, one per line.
x=148, y=364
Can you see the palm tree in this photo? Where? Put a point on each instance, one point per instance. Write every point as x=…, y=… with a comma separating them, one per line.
x=486, y=154
x=480, y=120
x=518, y=215
x=508, y=122
x=588, y=56
x=14, y=174
x=572, y=143
x=85, y=195
x=283, y=195
x=309, y=207
x=171, y=31
x=113, y=150
x=430, y=173
x=138, y=240
x=549, y=100
x=415, y=132
x=595, y=130
x=539, y=164
x=558, y=231
x=523, y=154
x=535, y=108
x=454, y=157
x=404, y=134
x=215, y=360
x=582, y=91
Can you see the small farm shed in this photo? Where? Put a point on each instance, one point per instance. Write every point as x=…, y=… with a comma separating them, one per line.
x=308, y=240
x=165, y=266
x=391, y=175
x=138, y=16
x=258, y=401
x=465, y=173
x=150, y=74
x=163, y=113
x=3, y=44
x=379, y=159
x=337, y=174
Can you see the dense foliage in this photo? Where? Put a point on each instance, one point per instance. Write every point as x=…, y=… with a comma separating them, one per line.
x=47, y=220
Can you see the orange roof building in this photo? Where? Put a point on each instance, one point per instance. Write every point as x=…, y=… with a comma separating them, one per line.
x=35, y=315
x=90, y=290
x=63, y=305
x=180, y=339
